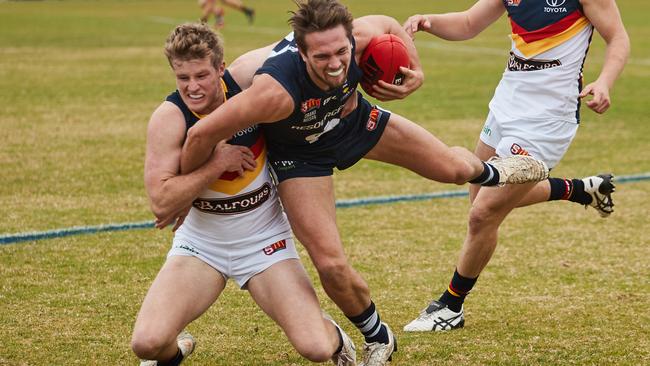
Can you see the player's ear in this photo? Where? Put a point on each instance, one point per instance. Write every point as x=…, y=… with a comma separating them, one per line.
x=302, y=55
x=222, y=69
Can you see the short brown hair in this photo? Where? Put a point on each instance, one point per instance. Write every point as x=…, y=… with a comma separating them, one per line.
x=317, y=16
x=191, y=41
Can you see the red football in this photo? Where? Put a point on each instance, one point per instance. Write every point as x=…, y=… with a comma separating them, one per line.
x=381, y=61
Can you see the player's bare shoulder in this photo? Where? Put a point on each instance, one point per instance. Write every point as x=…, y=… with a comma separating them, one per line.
x=167, y=121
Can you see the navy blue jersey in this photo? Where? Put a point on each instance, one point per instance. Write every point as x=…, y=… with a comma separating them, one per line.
x=315, y=124
x=535, y=15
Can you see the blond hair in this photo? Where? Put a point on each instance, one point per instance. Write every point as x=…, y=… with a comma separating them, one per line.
x=192, y=41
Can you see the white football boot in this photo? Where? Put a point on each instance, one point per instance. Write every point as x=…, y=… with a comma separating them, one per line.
x=436, y=317
x=600, y=188
x=517, y=169
x=347, y=356
x=378, y=354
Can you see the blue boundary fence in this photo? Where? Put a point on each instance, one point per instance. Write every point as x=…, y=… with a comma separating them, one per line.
x=78, y=230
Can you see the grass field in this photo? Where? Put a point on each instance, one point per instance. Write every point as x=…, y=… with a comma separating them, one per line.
x=78, y=81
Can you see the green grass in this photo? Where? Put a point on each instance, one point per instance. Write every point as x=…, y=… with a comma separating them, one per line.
x=78, y=81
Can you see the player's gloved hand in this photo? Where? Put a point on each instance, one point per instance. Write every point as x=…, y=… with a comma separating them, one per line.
x=600, y=90
x=384, y=91
x=416, y=23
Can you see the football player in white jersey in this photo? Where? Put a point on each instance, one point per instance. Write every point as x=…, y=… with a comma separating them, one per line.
x=534, y=111
x=235, y=228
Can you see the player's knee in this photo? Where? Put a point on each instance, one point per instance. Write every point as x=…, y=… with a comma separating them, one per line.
x=147, y=346
x=464, y=172
x=480, y=218
x=338, y=274
x=457, y=171
x=314, y=349
x=333, y=269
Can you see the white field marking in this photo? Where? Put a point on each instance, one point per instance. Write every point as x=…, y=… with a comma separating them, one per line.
x=240, y=29
x=167, y=20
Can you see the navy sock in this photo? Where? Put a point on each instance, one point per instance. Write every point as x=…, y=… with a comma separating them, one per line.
x=569, y=189
x=174, y=361
x=369, y=323
x=340, y=347
x=560, y=189
x=458, y=289
x=489, y=176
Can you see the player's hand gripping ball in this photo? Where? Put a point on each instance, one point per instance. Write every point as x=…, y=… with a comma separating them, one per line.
x=382, y=59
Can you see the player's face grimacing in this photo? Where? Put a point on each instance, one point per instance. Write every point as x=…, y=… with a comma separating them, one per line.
x=328, y=57
x=198, y=82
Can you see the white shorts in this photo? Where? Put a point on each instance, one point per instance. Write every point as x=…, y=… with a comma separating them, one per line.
x=544, y=140
x=239, y=262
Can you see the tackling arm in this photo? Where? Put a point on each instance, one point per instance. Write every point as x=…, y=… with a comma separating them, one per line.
x=169, y=192
x=265, y=101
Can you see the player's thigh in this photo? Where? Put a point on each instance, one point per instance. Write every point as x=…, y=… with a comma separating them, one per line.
x=184, y=289
x=494, y=203
x=310, y=207
x=408, y=145
x=484, y=151
x=285, y=293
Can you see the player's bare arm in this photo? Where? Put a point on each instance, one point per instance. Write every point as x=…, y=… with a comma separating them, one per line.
x=457, y=26
x=266, y=101
x=606, y=18
x=169, y=192
x=367, y=27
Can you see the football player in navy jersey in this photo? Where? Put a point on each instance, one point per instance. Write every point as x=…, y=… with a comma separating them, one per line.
x=236, y=227
x=535, y=111
x=306, y=100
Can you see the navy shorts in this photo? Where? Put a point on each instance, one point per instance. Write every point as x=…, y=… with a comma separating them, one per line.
x=343, y=147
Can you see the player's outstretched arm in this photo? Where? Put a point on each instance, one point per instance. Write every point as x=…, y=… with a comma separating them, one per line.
x=457, y=26
x=606, y=18
x=169, y=192
x=266, y=101
x=367, y=27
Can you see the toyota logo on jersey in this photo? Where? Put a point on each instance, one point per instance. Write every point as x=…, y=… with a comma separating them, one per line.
x=555, y=3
